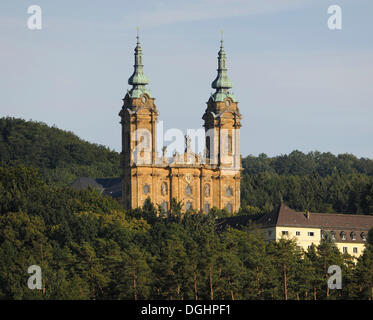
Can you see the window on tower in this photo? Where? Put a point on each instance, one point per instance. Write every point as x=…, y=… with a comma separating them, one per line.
x=230, y=147
x=188, y=190
x=208, y=147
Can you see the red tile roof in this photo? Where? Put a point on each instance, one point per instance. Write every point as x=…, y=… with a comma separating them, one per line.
x=338, y=223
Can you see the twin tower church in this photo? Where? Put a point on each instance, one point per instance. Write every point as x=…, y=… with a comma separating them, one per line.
x=198, y=181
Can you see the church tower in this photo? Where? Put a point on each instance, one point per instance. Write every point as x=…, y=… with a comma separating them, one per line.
x=222, y=122
x=138, y=119
x=197, y=182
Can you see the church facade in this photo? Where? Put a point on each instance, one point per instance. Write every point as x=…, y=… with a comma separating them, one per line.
x=198, y=181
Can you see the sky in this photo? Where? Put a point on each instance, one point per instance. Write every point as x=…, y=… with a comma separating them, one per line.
x=300, y=85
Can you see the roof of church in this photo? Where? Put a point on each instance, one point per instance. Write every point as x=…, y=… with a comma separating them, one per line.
x=138, y=79
x=222, y=83
x=84, y=183
x=107, y=186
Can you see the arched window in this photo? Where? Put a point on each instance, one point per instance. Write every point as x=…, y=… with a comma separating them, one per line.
x=188, y=190
x=207, y=147
x=353, y=235
x=164, y=208
x=332, y=233
x=363, y=236
x=230, y=147
x=229, y=192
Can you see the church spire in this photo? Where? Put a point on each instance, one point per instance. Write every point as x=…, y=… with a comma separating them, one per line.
x=138, y=80
x=222, y=83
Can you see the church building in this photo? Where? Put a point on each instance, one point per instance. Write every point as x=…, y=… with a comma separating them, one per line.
x=199, y=181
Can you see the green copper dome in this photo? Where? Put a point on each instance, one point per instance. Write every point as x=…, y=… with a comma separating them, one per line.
x=138, y=80
x=222, y=83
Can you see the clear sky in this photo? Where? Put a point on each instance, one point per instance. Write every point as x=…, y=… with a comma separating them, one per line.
x=299, y=84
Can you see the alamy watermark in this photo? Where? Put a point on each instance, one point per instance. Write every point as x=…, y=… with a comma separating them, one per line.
x=335, y=20
x=34, y=282
x=214, y=147
x=34, y=21
x=335, y=280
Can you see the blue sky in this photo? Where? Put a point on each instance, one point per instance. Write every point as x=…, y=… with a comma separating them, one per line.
x=299, y=84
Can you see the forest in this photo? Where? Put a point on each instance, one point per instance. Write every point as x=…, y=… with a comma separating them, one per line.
x=88, y=247
x=59, y=155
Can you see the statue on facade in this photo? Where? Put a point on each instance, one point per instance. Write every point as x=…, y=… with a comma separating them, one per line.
x=207, y=190
x=164, y=189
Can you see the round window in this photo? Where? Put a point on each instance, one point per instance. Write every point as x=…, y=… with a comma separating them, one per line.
x=146, y=189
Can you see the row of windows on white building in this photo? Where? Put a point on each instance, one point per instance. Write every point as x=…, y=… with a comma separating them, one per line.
x=343, y=235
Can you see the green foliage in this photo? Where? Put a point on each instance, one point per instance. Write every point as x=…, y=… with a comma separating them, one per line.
x=298, y=163
x=89, y=248
x=318, y=182
x=60, y=155
x=340, y=193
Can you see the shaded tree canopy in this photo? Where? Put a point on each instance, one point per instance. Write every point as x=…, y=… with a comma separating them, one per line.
x=88, y=247
x=60, y=155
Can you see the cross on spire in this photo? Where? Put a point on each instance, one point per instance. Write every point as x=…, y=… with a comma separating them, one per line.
x=138, y=80
x=221, y=83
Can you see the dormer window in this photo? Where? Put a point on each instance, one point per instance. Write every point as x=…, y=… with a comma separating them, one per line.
x=343, y=235
x=353, y=236
x=363, y=236
x=332, y=234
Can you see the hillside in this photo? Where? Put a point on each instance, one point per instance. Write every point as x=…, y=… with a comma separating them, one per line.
x=88, y=247
x=318, y=182
x=60, y=156
x=298, y=163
